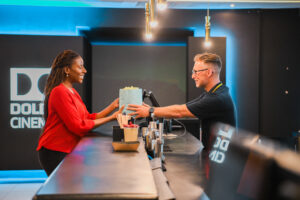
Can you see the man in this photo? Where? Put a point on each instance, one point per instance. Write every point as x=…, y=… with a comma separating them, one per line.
x=213, y=105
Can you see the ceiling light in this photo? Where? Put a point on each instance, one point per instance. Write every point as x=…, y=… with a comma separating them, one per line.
x=207, y=30
x=153, y=21
x=153, y=24
x=148, y=34
x=207, y=44
x=232, y=5
x=162, y=5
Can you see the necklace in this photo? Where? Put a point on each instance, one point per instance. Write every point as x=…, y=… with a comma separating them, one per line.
x=71, y=90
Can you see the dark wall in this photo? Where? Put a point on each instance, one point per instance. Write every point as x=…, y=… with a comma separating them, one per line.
x=160, y=69
x=244, y=26
x=253, y=38
x=17, y=145
x=241, y=29
x=279, y=73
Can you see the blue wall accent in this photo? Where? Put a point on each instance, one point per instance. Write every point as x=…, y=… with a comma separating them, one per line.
x=138, y=44
x=106, y=4
x=22, y=176
x=20, y=20
x=61, y=3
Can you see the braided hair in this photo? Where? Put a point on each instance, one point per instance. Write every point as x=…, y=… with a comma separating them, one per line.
x=57, y=74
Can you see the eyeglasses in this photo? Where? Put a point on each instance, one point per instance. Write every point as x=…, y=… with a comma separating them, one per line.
x=200, y=70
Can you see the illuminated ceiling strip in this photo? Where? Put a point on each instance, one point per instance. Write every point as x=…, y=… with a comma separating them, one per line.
x=186, y=4
x=237, y=1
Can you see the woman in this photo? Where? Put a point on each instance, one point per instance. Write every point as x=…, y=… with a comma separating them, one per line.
x=66, y=116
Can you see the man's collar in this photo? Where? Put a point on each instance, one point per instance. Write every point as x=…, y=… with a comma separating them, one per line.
x=213, y=89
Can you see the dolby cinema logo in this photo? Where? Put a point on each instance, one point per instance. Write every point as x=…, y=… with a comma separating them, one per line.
x=221, y=145
x=26, y=97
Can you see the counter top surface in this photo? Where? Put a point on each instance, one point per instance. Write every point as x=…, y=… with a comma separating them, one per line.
x=94, y=171
x=185, y=166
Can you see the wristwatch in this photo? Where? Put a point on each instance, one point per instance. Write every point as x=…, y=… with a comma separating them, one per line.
x=151, y=112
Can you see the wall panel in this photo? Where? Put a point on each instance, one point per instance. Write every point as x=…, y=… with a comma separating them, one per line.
x=17, y=144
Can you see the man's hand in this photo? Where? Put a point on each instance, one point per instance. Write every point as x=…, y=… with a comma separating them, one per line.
x=144, y=104
x=139, y=110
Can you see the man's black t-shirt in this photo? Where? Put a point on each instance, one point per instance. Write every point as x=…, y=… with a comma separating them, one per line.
x=211, y=107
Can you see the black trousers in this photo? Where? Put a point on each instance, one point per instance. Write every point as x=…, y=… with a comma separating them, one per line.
x=50, y=159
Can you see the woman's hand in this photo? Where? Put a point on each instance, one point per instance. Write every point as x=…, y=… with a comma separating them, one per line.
x=115, y=103
x=115, y=114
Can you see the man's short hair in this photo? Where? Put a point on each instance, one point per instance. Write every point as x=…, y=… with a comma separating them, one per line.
x=209, y=58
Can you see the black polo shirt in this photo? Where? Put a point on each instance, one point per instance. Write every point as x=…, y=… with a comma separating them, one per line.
x=211, y=107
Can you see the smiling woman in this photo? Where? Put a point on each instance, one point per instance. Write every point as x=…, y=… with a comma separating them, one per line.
x=75, y=73
x=66, y=116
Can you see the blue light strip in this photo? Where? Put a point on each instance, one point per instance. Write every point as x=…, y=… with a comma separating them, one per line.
x=57, y=3
x=22, y=176
x=21, y=180
x=40, y=32
x=138, y=44
x=138, y=4
x=49, y=21
x=71, y=3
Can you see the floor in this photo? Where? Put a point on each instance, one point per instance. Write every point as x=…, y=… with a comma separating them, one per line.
x=19, y=191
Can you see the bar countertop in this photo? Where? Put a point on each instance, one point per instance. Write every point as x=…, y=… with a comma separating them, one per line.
x=94, y=171
x=185, y=166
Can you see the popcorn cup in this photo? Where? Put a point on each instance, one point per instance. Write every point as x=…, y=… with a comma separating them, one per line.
x=131, y=134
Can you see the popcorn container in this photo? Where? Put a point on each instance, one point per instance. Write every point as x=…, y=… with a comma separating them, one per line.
x=131, y=133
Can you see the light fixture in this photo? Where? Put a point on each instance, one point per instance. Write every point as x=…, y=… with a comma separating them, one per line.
x=153, y=21
x=148, y=34
x=207, y=42
x=232, y=5
x=162, y=5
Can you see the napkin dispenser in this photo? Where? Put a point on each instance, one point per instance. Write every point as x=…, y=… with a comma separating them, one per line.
x=118, y=134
